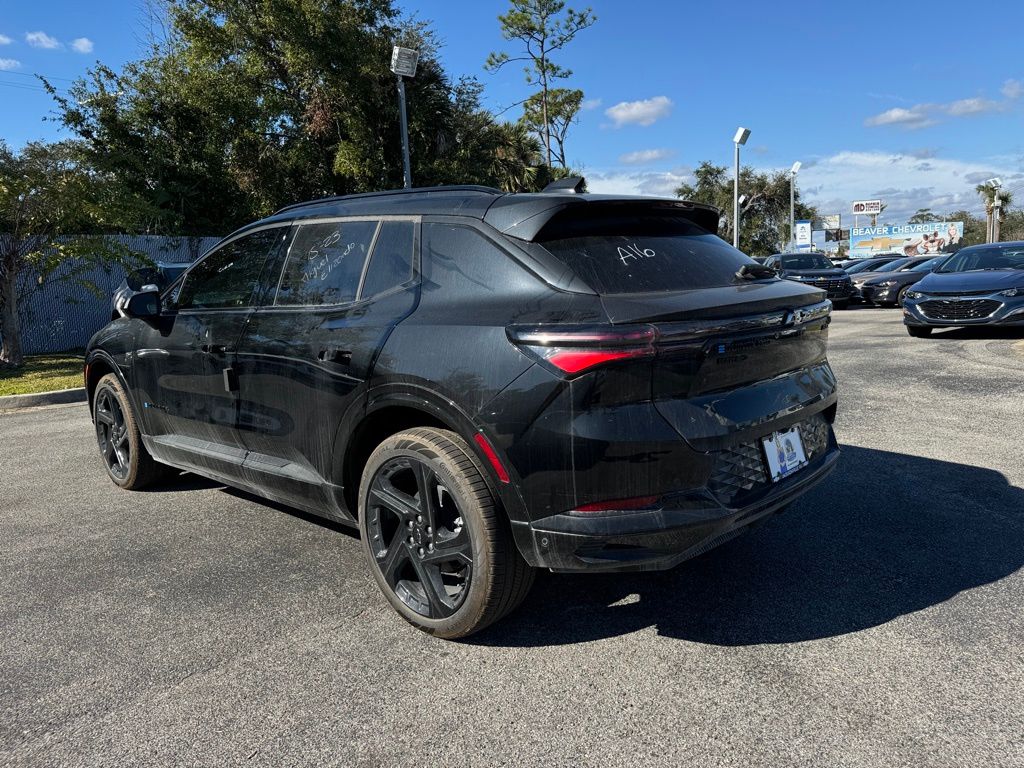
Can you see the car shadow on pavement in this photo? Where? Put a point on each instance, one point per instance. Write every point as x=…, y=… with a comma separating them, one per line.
x=886, y=535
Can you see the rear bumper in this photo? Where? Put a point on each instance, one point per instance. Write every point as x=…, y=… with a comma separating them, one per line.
x=685, y=526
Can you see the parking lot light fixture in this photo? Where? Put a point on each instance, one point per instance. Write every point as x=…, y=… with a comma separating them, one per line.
x=792, y=202
x=742, y=134
x=403, y=64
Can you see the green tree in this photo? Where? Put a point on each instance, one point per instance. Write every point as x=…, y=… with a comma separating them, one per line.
x=543, y=30
x=46, y=193
x=924, y=216
x=247, y=105
x=563, y=105
x=765, y=213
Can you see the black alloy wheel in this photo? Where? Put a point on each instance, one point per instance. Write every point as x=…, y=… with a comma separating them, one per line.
x=125, y=458
x=437, y=539
x=112, y=434
x=419, y=540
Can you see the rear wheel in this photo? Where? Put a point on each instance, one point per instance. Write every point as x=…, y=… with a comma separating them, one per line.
x=919, y=331
x=438, y=545
x=125, y=458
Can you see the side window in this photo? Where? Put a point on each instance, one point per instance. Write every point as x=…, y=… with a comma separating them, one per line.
x=228, y=277
x=391, y=261
x=325, y=262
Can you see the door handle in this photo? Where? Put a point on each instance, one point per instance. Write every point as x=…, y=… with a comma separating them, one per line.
x=335, y=355
x=216, y=349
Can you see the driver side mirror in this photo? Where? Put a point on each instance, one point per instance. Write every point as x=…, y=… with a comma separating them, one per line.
x=145, y=304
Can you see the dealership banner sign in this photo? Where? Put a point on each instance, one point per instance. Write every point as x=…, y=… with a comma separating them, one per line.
x=866, y=207
x=906, y=239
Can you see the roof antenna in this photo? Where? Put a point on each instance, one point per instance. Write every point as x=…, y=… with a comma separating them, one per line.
x=574, y=184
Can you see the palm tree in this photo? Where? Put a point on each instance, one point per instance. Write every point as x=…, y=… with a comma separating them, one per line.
x=516, y=157
x=988, y=193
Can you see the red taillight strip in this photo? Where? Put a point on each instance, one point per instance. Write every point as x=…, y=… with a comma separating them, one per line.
x=637, y=502
x=492, y=456
x=576, y=360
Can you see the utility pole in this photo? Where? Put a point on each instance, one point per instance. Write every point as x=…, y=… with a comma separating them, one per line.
x=742, y=134
x=792, y=203
x=993, y=210
x=997, y=209
x=403, y=64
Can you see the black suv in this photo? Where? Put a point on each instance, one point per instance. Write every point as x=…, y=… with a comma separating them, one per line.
x=484, y=383
x=815, y=269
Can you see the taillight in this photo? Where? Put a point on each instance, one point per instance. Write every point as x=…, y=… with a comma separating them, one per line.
x=616, y=505
x=575, y=349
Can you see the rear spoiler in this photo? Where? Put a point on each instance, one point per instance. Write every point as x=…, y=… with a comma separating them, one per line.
x=524, y=219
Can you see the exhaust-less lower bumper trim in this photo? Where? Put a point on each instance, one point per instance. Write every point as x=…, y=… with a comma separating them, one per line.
x=658, y=539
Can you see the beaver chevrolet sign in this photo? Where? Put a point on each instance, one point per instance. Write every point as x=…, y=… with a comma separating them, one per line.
x=906, y=239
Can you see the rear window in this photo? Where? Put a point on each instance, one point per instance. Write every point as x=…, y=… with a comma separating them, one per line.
x=642, y=253
x=805, y=261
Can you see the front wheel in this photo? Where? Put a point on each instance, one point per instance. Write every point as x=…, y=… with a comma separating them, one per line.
x=435, y=536
x=840, y=303
x=919, y=331
x=125, y=458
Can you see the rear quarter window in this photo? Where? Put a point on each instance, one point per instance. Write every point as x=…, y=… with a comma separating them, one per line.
x=642, y=253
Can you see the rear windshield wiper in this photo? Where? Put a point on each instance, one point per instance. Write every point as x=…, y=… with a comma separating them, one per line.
x=755, y=272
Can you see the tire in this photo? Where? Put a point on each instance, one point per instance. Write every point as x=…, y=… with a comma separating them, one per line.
x=840, y=304
x=919, y=331
x=902, y=295
x=125, y=458
x=449, y=566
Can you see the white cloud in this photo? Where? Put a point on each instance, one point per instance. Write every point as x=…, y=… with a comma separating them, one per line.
x=915, y=117
x=644, y=112
x=1013, y=89
x=81, y=45
x=924, y=115
x=6, y=65
x=974, y=106
x=901, y=181
x=644, y=156
x=41, y=40
x=658, y=184
x=5, y=40
x=589, y=104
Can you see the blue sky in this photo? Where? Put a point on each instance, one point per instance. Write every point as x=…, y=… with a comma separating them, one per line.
x=912, y=102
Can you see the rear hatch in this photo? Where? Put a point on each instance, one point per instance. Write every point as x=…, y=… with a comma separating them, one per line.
x=733, y=358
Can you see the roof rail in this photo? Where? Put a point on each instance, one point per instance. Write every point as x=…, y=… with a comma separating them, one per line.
x=574, y=184
x=387, y=192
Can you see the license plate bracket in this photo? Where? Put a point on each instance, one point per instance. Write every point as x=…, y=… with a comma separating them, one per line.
x=784, y=452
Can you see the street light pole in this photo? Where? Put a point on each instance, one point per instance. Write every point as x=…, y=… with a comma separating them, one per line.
x=742, y=134
x=403, y=64
x=406, y=166
x=792, y=203
x=997, y=206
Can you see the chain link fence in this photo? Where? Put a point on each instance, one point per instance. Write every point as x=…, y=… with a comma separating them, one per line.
x=60, y=315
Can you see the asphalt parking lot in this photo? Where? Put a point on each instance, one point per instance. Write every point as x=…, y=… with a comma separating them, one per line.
x=877, y=622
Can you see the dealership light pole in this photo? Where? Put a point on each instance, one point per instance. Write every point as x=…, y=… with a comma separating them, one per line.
x=403, y=64
x=792, y=203
x=996, y=184
x=742, y=134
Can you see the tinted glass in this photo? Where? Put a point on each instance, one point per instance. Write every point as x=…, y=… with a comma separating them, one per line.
x=643, y=253
x=988, y=258
x=391, y=262
x=228, y=277
x=927, y=265
x=805, y=261
x=325, y=262
x=892, y=266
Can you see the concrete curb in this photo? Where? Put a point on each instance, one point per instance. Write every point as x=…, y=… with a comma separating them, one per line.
x=60, y=396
